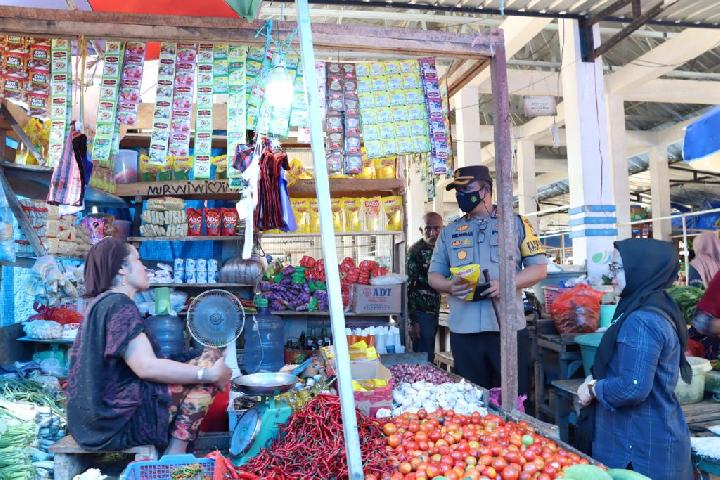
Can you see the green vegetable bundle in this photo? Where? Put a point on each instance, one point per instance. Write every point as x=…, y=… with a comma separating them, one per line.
x=31, y=392
x=15, y=438
x=687, y=299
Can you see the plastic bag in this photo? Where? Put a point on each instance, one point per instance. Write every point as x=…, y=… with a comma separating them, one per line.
x=7, y=245
x=577, y=310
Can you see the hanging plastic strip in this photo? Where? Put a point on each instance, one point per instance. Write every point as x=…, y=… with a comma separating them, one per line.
x=163, y=104
x=204, y=112
x=179, y=142
x=106, y=118
x=236, y=105
x=60, y=91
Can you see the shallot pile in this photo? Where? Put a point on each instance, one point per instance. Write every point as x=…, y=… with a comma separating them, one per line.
x=406, y=373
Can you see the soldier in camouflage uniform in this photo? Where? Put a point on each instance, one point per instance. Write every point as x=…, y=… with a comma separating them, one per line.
x=423, y=301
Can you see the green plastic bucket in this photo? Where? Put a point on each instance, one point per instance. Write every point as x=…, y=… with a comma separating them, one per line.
x=606, y=315
x=588, y=346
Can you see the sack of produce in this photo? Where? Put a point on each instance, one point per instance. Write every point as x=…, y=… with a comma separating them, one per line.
x=577, y=310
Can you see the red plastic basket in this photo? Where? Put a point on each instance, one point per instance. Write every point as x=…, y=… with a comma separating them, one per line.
x=163, y=469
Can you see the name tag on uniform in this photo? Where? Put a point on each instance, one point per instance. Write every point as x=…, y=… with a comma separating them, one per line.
x=460, y=235
x=465, y=242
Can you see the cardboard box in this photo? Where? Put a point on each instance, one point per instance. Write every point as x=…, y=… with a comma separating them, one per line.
x=370, y=402
x=377, y=298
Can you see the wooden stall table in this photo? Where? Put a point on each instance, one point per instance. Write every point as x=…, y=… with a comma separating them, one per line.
x=567, y=361
x=698, y=416
x=442, y=338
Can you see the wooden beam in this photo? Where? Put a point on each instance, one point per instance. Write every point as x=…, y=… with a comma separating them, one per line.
x=22, y=218
x=607, y=11
x=625, y=32
x=508, y=320
x=122, y=26
x=472, y=72
x=517, y=31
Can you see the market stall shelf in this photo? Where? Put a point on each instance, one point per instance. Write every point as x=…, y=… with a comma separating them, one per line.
x=186, y=239
x=58, y=341
x=201, y=285
x=556, y=357
x=220, y=189
x=337, y=234
x=698, y=416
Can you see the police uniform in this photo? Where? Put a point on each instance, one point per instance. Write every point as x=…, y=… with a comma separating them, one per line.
x=474, y=332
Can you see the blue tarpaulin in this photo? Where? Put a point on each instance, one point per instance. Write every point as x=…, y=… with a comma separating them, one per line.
x=701, y=147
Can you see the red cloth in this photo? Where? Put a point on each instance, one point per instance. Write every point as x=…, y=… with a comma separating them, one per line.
x=216, y=418
x=710, y=302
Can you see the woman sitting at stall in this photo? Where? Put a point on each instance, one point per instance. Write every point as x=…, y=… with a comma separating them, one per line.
x=705, y=331
x=120, y=394
x=638, y=420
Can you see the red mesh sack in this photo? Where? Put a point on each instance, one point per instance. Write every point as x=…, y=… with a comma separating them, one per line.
x=577, y=310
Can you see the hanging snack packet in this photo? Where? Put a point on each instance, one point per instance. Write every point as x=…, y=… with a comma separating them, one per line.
x=352, y=209
x=368, y=168
x=337, y=214
x=353, y=164
x=194, y=219
x=301, y=210
x=385, y=167
x=229, y=222
x=313, y=215
x=469, y=273
x=373, y=219
x=393, y=208
x=213, y=222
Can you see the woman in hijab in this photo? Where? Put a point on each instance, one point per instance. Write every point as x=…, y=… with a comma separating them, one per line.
x=706, y=263
x=120, y=394
x=638, y=420
x=705, y=331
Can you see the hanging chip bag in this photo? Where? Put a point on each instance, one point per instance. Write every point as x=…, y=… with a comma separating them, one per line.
x=393, y=210
x=352, y=210
x=371, y=210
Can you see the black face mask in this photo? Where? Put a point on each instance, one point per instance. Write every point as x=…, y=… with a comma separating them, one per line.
x=468, y=201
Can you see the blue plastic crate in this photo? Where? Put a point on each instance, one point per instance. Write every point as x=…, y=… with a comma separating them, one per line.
x=163, y=469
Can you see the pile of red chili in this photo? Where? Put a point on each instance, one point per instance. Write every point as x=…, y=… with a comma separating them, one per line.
x=311, y=445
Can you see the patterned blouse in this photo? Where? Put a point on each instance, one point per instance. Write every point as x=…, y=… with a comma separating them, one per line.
x=109, y=407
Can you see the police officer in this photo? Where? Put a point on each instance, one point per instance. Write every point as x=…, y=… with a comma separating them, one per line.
x=466, y=247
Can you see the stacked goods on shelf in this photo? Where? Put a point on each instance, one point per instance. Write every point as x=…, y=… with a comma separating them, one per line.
x=26, y=73
x=440, y=148
x=303, y=288
x=394, y=115
x=192, y=270
x=373, y=214
x=59, y=234
x=164, y=217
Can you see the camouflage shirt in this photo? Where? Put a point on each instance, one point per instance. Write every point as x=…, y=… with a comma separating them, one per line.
x=421, y=296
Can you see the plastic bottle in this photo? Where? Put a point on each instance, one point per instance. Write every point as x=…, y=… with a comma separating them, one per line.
x=264, y=337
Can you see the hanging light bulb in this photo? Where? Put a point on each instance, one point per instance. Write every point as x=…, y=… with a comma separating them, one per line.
x=279, y=89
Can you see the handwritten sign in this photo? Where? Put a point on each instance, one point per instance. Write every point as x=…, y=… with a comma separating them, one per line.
x=178, y=189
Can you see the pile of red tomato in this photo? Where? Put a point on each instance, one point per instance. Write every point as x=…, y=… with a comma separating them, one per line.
x=460, y=447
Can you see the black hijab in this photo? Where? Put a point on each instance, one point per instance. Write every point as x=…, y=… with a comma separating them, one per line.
x=651, y=267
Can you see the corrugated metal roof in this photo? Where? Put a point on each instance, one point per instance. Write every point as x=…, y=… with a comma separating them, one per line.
x=683, y=12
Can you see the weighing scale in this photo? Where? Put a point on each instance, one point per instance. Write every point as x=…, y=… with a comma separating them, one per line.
x=259, y=426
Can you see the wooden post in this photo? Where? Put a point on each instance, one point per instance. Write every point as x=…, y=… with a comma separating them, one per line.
x=509, y=315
